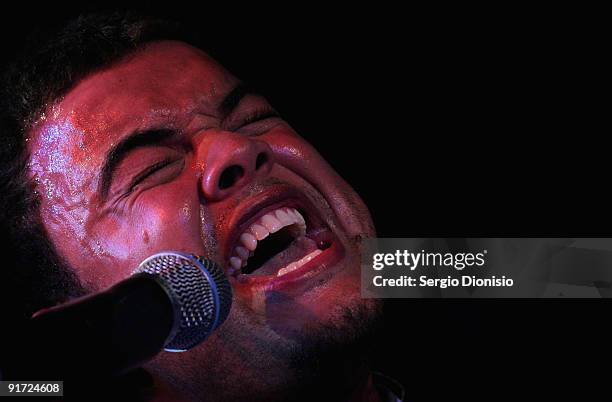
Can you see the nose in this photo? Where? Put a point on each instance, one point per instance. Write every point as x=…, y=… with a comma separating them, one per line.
x=229, y=161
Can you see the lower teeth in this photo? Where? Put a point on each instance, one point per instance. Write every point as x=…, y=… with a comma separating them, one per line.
x=295, y=265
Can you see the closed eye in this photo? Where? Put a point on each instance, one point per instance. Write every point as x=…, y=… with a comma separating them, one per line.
x=258, y=122
x=152, y=171
x=259, y=115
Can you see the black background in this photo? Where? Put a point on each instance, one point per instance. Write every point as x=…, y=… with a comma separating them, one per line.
x=448, y=122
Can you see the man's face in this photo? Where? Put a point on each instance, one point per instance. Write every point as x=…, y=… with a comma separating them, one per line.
x=167, y=151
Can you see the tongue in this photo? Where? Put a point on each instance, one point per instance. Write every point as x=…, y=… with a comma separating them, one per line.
x=296, y=250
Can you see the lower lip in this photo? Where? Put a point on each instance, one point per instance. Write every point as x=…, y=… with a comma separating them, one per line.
x=321, y=263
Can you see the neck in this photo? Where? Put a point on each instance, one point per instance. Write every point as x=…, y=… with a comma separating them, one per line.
x=365, y=392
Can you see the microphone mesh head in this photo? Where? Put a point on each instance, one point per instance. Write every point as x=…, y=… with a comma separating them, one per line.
x=200, y=292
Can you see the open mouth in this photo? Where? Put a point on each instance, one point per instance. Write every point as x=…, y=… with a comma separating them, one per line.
x=281, y=240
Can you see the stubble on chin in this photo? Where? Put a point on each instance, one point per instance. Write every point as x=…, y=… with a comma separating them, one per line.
x=249, y=359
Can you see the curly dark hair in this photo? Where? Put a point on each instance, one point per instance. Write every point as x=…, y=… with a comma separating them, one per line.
x=52, y=63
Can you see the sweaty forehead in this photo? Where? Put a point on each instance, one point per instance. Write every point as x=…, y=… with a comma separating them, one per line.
x=165, y=81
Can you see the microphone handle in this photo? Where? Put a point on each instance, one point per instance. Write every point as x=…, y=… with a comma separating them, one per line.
x=107, y=333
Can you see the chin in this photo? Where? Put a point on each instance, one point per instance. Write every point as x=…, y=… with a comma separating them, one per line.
x=298, y=342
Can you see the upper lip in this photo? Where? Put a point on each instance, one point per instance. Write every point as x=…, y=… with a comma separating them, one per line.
x=259, y=204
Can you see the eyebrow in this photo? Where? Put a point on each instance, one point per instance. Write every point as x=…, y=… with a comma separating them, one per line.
x=117, y=153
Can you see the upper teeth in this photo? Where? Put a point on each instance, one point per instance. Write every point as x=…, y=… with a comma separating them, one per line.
x=260, y=229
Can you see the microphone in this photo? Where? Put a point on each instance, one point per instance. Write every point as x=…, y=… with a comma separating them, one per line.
x=173, y=301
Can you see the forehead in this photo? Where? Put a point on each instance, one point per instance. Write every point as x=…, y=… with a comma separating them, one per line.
x=163, y=78
x=163, y=85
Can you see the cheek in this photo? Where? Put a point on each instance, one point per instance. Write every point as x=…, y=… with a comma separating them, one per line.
x=293, y=152
x=158, y=221
x=163, y=221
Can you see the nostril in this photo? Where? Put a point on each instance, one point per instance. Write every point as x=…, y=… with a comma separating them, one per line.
x=230, y=176
x=261, y=160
